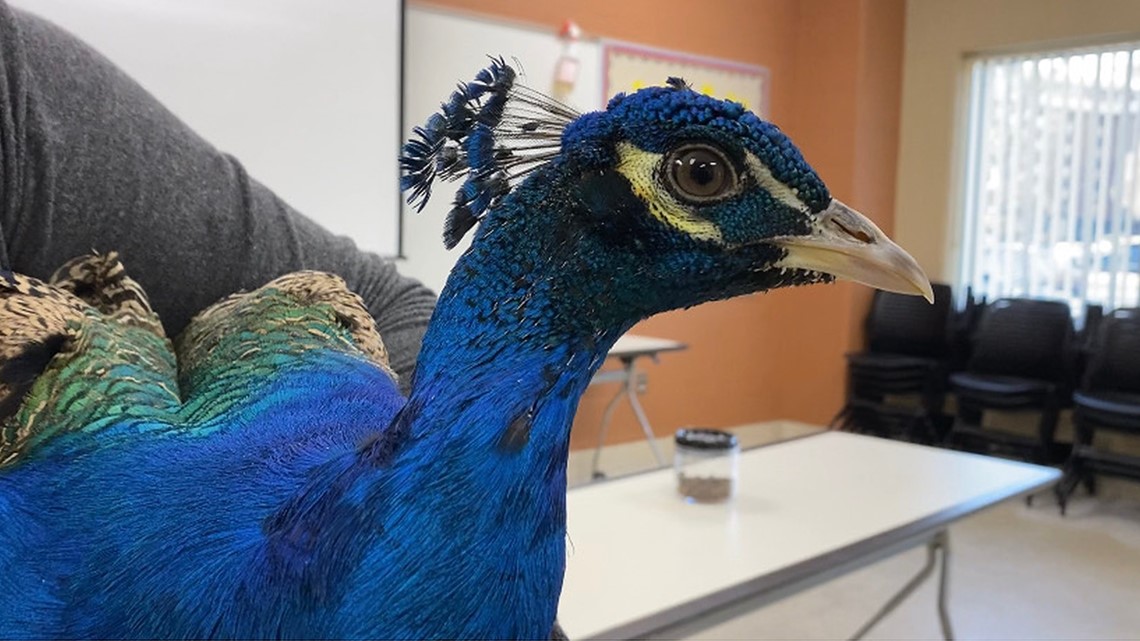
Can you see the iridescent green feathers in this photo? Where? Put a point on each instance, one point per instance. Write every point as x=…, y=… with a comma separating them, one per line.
x=78, y=350
x=268, y=329
x=85, y=353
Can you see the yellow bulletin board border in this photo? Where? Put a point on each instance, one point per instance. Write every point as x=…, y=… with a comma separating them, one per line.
x=627, y=67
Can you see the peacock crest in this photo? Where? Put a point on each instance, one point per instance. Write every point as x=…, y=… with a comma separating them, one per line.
x=494, y=131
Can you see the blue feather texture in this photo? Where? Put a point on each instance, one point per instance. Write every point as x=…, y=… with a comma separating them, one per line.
x=263, y=477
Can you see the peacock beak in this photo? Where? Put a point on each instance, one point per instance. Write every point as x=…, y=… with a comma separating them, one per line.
x=846, y=244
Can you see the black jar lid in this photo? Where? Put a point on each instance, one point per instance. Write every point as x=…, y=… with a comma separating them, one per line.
x=703, y=438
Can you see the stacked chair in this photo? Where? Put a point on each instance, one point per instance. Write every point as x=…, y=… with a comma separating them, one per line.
x=1022, y=355
x=1108, y=400
x=906, y=357
x=1012, y=355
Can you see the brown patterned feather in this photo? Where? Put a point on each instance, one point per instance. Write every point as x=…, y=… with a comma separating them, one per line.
x=87, y=349
x=101, y=281
x=291, y=314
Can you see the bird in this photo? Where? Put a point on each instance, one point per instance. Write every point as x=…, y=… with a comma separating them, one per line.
x=262, y=475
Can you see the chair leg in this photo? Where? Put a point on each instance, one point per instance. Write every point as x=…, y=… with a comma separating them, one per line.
x=1064, y=489
x=1074, y=474
x=969, y=412
x=925, y=432
x=1046, y=427
x=839, y=421
x=934, y=419
x=952, y=439
x=1084, y=433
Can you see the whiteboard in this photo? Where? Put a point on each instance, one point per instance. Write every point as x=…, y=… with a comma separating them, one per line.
x=304, y=93
x=443, y=48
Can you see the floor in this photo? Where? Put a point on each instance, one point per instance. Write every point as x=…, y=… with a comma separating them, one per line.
x=1016, y=572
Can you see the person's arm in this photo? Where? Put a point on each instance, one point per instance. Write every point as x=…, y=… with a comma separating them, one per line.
x=90, y=160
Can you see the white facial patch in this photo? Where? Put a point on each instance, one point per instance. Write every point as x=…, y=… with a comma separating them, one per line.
x=779, y=190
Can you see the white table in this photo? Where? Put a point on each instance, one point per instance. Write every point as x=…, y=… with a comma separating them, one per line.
x=642, y=561
x=629, y=348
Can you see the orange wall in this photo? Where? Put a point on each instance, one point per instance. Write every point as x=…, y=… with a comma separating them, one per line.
x=835, y=70
x=847, y=89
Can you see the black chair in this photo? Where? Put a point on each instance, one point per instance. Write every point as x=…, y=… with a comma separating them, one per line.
x=905, y=357
x=1108, y=400
x=964, y=323
x=1021, y=360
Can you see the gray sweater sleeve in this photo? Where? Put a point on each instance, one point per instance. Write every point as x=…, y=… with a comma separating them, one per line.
x=90, y=160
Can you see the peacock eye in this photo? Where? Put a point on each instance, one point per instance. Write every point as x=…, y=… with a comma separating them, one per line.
x=699, y=173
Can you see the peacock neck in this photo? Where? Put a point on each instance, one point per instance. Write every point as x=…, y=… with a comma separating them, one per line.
x=484, y=440
x=499, y=346
x=524, y=322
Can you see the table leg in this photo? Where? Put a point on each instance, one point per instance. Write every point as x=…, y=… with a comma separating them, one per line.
x=629, y=391
x=943, y=579
x=607, y=414
x=631, y=394
x=937, y=553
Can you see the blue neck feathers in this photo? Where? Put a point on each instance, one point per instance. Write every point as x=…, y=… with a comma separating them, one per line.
x=519, y=324
x=477, y=457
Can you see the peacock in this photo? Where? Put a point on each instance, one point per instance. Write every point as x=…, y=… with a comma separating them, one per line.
x=263, y=476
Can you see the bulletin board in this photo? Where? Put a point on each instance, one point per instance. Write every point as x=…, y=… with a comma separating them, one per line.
x=629, y=67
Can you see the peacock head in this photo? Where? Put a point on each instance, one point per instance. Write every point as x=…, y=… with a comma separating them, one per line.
x=675, y=197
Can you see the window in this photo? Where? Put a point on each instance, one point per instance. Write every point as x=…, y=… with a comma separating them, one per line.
x=1052, y=199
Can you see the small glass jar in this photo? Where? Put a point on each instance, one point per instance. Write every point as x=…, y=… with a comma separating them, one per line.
x=706, y=463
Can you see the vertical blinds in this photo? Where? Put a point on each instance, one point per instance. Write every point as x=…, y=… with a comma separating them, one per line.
x=1052, y=204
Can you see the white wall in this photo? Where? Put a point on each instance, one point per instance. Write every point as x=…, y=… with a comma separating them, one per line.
x=304, y=92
